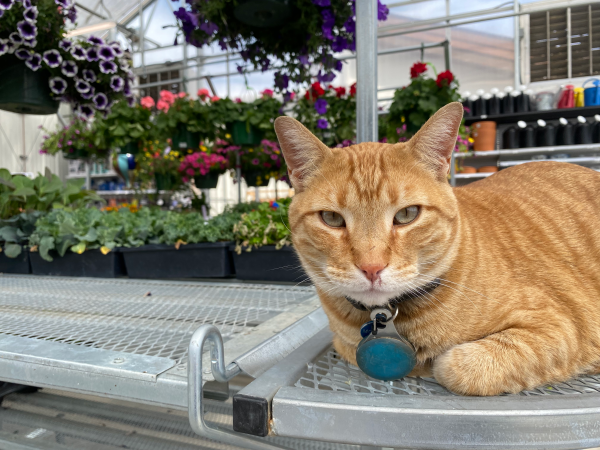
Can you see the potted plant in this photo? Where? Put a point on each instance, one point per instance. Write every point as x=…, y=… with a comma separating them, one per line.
x=254, y=120
x=203, y=167
x=14, y=237
x=185, y=245
x=160, y=164
x=312, y=32
x=75, y=141
x=125, y=127
x=263, y=245
x=89, y=74
x=329, y=112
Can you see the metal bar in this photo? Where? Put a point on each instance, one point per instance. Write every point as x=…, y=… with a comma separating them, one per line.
x=210, y=83
x=548, y=43
x=532, y=151
x=438, y=422
x=590, y=38
x=184, y=71
x=23, y=156
x=517, y=44
x=366, y=70
x=452, y=170
x=580, y=160
x=409, y=2
x=141, y=35
x=88, y=10
x=569, y=50
x=447, y=55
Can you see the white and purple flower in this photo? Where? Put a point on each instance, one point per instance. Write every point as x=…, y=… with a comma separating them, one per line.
x=106, y=53
x=117, y=83
x=31, y=14
x=69, y=68
x=108, y=67
x=96, y=40
x=35, y=62
x=52, y=58
x=26, y=3
x=131, y=101
x=82, y=86
x=63, y=3
x=3, y=46
x=58, y=85
x=89, y=75
x=26, y=29
x=5, y=5
x=30, y=43
x=117, y=48
x=127, y=89
x=23, y=54
x=100, y=101
x=85, y=111
x=91, y=54
x=89, y=94
x=65, y=45
x=15, y=38
x=78, y=52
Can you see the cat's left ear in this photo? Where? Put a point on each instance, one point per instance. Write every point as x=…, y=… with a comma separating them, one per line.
x=435, y=141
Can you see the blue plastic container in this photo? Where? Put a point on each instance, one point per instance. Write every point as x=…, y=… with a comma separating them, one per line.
x=591, y=95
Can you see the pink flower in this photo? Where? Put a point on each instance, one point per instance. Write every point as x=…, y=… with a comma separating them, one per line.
x=267, y=93
x=190, y=172
x=147, y=102
x=195, y=164
x=274, y=157
x=215, y=99
x=238, y=100
x=167, y=96
x=185, y=179
x=292, y=96
x=255, y=161
x=202, y=93
x=162, y=106
x=181, y=94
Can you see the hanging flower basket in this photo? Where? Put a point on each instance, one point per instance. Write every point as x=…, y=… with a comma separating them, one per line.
x=184, y=139
x=242, y=133
x=264, y=13
x=208, y=181
x=165, y=182
x=24, y=91
x=132, y=148
x=254, y=179
x=76, y=154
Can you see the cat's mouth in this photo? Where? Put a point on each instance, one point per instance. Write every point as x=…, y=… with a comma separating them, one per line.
x=411, y=294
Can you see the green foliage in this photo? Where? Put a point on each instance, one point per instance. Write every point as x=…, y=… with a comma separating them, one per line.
x=196, y=115
x=261, y=113
x=268, y=224
x=191, y=228
x=19, y=193
x=123, y=125
x=73, y=140
x=15, y=232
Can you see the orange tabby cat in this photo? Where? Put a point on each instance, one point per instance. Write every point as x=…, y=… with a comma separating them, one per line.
x=514, y=259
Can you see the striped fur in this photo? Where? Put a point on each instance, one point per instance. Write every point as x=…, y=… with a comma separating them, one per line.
x=518, y=255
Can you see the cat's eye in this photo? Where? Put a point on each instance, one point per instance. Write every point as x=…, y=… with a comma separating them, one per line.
x=406, y=215
x=333, y=219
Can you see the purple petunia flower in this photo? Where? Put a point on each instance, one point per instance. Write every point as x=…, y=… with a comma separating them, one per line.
x=35, y=62
x=100, y=101
x=26, y=3
x=26, y=29
x=3, y=46
x=322, y=124
x=91, y=54
x=30, y=43
x=23, y=54
x=82, y=86
x=303, y=60
x=321, y=106
x=325, y=77
x=117, y=48
x=65, y=45
x=338, y=66
x=85, y=111
x=89, y=94
x=69, y=68
x=108, y=67
x=5, y=5
x=96, y=40
x=350, y=25
x=11, y=47
x=127, y=89
x=131, y=101
x=72, y=14
x=78, y=52
x=382, y=11
x=116, y=83
x=89, y=75
x=52, y=58
x=339, y=44
x=328, y=23
x=58, y=85
x=63, y=3
x=31, y=14
x=1, y=12
x=322, y=2
x=106, y=53
x=15, y=38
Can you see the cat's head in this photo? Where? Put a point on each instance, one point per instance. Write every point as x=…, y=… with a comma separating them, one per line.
x=373, y=221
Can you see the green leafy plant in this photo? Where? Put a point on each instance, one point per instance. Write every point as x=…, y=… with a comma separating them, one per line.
x=75, y=141
x=15, y=232
x=261, y=113
x=268, y=224
x=125, y=124
x=191, y=228
x=176, y=110
x=19, y=193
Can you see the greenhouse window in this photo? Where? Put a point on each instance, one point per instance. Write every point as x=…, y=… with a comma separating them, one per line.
x=565, y=43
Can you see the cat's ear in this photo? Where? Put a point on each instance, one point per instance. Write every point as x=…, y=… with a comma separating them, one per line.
x=302, y=150
x=435, y=141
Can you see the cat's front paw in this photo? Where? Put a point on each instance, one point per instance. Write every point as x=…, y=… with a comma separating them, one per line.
x=471, y=369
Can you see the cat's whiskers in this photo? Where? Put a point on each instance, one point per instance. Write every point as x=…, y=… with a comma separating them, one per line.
x=454, y=289
x=430, y=297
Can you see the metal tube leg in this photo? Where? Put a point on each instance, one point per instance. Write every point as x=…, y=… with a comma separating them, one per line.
x=366, y=71
x=221, y=374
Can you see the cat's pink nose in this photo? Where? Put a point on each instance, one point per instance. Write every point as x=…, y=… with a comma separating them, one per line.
x=372, y=271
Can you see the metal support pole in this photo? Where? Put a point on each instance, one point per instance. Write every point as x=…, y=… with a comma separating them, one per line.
x=23, y=156
x=517, y=44
x=569, y=50
x=185, y=64
x=141, y=35
x=452, y=170
x=366, y=70
x=238, y=175
x=447, y=54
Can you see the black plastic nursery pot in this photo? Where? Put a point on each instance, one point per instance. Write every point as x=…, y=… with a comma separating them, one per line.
x=24, y=91
x=205, y=260
x=243, y=133
x=91, y=263
x=184, y=139
x=255, y=179
x=208, y=181
x=132, y=148
x=20, y=264
x=165, y=182
x=268, y=264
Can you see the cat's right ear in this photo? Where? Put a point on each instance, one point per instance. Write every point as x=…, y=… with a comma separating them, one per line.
x=302, y=150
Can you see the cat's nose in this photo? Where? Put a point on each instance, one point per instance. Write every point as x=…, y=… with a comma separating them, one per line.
x=372, y=271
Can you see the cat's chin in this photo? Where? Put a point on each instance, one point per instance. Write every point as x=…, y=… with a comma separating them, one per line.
x=371, y=299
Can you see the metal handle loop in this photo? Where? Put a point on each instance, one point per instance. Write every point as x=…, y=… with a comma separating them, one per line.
x=221, y=374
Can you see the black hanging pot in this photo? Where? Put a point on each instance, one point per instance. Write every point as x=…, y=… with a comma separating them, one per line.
x=77, y=153
x=527, y=137
x=583, y=132
x=546, y=136
x=132, y=148
x=184, y=139
x=254, y=179
x=264, y=13
x=24, y=91
x=243, y=133
x=510, y=138
x=208, y=181
x=564, y=133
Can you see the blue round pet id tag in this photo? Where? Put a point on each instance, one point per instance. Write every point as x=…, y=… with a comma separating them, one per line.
x=383, y=354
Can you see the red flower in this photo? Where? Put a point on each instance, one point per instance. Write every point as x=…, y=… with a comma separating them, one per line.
x=353, y=90
x=447, y=75
x=339, y=91
x=417, y=69
x=315, y=91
